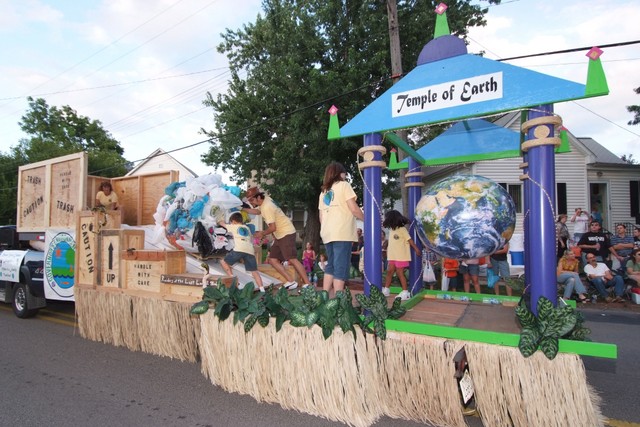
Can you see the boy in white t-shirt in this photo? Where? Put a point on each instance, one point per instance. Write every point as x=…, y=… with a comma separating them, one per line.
x=242, y=249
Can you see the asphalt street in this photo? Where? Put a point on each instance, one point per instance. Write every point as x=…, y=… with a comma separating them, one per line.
x=53, y=377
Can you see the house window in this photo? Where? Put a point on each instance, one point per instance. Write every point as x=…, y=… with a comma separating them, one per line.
x=634, y=197
x=515, y=191
x=561, y=198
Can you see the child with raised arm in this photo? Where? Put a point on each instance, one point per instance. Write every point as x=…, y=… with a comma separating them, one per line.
x=242, y=249
x=398, y=252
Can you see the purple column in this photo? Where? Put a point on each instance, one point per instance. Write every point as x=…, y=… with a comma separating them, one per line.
x=541, y=271
x=525, y=223
x=414, y=193
x=372, y=218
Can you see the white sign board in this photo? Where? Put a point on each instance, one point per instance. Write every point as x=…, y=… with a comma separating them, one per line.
x=59, y=264
x=449, y=94
x=10, y=262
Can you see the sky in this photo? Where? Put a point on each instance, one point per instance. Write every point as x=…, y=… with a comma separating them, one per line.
x=142, y=68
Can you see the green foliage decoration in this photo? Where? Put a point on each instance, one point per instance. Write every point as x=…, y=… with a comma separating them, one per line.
x=308, y=308
x=545, y=330
x=377, y=311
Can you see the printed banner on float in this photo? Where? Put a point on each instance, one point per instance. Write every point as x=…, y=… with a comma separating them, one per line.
x=59, y=264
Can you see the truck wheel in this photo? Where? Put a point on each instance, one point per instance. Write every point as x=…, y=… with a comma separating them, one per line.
x=20, y=304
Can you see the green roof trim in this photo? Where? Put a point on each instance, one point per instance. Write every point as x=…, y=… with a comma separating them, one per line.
x=401, y=144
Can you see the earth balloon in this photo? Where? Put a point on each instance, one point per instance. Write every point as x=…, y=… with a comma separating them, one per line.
x=466, y=216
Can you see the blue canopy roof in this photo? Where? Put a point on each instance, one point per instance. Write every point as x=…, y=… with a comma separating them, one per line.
x=459, y=87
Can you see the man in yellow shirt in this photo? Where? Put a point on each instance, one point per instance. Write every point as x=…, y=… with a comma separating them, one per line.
x=284, y=233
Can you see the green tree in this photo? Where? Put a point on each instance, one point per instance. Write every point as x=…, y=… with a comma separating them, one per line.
x=635, y=109
x=54, y=132
x=628, y=158
x=289, y=67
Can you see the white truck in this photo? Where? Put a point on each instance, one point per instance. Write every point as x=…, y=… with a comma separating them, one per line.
x=21, y=274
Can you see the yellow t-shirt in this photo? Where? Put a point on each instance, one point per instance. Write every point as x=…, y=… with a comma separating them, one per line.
x=272, y=214
x=241, y=238
x=107, y=201
x=338, y=222
x=399, y=248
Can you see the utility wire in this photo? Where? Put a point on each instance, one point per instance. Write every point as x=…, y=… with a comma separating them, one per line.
x=369, y=84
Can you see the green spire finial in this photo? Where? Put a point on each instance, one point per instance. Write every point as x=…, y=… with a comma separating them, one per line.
x=442, y=25
x=334, y=126
x=596, y=80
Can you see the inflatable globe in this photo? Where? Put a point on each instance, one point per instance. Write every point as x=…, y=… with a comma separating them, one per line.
x=466, y=216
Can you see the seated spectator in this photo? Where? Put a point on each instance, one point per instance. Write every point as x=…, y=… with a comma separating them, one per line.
x=633, y=267
x=621, y=247
x=568, y=276
x=601, y=277
x=595, y=242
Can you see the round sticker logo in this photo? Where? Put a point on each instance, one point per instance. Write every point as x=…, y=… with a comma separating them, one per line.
x=59, y=264
x=328, y=197
x=243, y=232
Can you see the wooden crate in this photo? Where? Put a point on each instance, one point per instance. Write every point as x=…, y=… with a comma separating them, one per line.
x=139, y=195
x=142, y=269
x=111, y=244
x=51, y=193
x=88, y=225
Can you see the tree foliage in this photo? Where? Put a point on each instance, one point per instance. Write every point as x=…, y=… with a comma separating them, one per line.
x=54, y=132
x=635, y=109
x=288, y=68
x=628, y=158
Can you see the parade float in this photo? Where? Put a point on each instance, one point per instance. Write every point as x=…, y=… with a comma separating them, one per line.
x=364, y=362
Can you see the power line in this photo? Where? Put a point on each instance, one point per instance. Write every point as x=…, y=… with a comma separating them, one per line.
x=316, y=104
x=577, y=49
x=37, y=95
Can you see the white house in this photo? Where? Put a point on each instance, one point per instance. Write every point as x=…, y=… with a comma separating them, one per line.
x=160, y=160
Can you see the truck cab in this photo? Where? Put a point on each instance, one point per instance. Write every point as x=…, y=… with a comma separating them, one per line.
x=21, y=274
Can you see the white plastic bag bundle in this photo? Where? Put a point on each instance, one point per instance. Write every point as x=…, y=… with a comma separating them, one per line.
x=202, y=199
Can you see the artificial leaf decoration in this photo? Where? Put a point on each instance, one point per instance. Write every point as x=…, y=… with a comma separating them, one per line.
x=309, y=308
x=544, y=331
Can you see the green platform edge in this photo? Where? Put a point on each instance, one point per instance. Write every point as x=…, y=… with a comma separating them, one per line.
x=581, y=348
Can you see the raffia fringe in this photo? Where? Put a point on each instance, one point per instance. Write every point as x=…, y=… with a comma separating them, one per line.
x=534, y=391
x=407, y=376
x=159, y=327
x=352, y=381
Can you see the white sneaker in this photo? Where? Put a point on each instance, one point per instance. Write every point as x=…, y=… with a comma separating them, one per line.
x=306, y=285
x=404, y=295
x=291, y=285
x=385, y=291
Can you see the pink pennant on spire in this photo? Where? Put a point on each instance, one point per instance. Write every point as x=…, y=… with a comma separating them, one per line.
x=442, y=8
x=594, y=53
x=333, y=110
